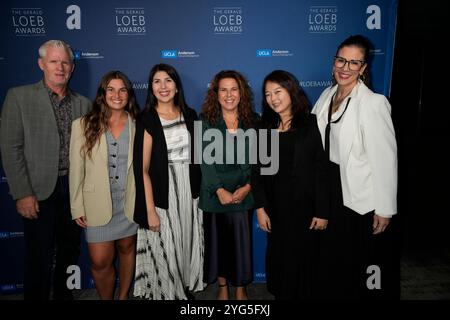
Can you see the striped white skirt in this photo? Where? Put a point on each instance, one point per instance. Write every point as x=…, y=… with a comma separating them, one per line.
x=171, y=260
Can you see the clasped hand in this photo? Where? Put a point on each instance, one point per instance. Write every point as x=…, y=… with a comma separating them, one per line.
x=227, y=198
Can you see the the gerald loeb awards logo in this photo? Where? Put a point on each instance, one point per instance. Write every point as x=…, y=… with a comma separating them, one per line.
x=227, y=20
x=323, y=19
x=130, y=21
x=28, y=21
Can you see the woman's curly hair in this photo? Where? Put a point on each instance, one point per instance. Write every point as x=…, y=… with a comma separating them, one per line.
x=211, y=109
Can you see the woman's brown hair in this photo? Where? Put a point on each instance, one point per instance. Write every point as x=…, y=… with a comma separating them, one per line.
x=95, y=122
x=211, y=109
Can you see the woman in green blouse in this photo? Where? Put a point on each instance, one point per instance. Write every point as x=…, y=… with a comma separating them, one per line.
x=225, y=195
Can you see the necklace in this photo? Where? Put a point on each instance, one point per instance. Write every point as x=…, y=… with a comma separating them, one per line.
x=337, y=101
x=169, y=113
x=284, y=126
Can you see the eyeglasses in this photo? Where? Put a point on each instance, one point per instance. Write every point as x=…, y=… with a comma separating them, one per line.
x=353, y=65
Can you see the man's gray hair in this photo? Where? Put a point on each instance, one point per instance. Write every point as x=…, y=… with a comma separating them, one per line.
x=57, y=44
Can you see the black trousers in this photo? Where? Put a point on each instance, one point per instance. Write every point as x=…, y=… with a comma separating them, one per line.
x=350, y=251
x=51, y=240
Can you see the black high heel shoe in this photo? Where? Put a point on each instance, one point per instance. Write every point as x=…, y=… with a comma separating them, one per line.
x=188, y=294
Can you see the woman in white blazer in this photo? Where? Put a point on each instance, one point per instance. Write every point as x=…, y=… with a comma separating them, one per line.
x=358, y=135
x=101, y=180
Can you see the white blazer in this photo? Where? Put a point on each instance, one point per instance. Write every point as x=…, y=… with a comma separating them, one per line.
x=90, y=193
x=367, y=150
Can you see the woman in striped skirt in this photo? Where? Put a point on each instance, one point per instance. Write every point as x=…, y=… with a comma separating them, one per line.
x=169, y=262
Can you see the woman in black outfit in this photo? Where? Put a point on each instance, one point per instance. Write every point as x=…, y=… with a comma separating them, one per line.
x=293, y=203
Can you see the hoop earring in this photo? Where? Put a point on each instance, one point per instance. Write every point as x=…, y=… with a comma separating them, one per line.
x=362, y=77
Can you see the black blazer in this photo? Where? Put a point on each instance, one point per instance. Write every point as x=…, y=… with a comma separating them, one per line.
x=159, y=163
x=310, y=174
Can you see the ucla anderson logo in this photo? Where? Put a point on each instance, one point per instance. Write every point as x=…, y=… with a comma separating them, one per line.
x=28, y=22
x=263, y=53
x=169, y=54
x=173, y=54
x=78, y=55
x=267, y=53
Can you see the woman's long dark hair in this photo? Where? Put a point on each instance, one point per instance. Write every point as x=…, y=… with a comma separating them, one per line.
x=300, y=104
x=179, y=100
x=95, y=122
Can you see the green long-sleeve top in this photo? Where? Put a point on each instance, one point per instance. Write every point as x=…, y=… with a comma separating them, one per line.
x=229, y=176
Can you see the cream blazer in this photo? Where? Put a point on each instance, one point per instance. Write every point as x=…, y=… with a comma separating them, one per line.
x=367, y=150
x=90, y=193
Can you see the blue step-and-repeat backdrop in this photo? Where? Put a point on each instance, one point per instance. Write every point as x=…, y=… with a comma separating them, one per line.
x=199, y=38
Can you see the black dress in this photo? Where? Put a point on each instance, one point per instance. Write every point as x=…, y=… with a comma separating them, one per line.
x=291, y=198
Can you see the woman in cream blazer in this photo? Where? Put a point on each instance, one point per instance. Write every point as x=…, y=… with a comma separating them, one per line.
x=359, y=138
x=101, y=180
